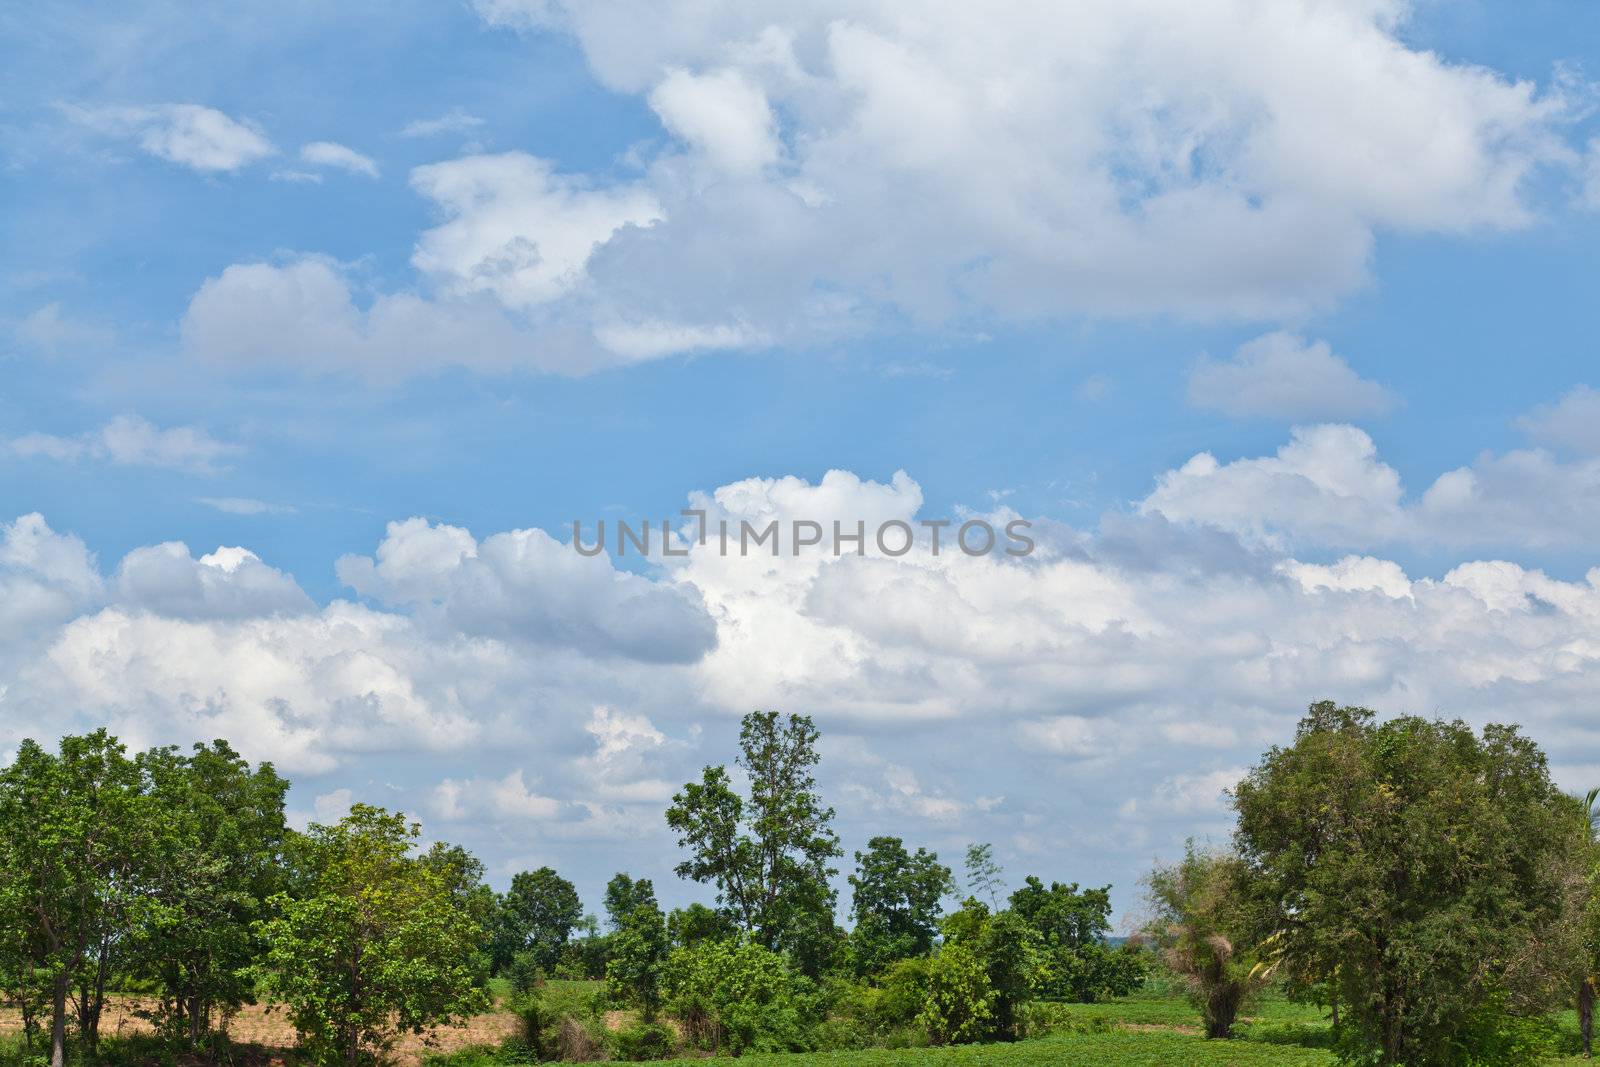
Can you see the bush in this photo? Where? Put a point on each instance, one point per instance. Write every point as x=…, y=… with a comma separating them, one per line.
x=960, y=1002
x=559, y=1022
x=643, y=1041
x=734, y=995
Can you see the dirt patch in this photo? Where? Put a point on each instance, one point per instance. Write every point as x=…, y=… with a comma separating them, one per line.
x=269, y=1027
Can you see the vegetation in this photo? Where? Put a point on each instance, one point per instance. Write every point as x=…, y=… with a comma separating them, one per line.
x=1409, y=891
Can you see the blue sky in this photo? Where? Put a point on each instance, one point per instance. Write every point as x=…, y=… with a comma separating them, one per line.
x=325, y=282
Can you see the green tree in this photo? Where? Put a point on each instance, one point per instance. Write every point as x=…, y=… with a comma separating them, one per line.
x=895, y=902
x=984, y=876
x=218, y=859
x=379, y=945
x=623, y=894
x=695, y=923
x=1014, y=958
x=74, y=828
x=537, y=915
x=767, y=855
x=734, y=995
x=960, y=999
x=1202, y=922
x=462, y=874
x=638, y=949
x=1073, y=925
x=1409, y=861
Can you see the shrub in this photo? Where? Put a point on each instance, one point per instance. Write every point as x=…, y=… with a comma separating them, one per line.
x=959, y=1004
x=734, y=995
x=643, y=1041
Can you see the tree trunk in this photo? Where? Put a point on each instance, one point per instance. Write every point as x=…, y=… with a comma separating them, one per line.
x=1586, y=1013
x=58, y=1020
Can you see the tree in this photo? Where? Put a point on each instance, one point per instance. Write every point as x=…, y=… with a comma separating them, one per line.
x=638, y=946
x=74, y=827
x=696, y=923
x=623, y=894
x=734, y=995
x=379, y=945
x=1202, y=924
x=1073, y=925
x=895, y=902
x=462, y=874
x=960, y=1001
x=768, y=856
x=1407, y=862
x=219, y=860
x=537, y=914
x=984, y=876
x=1015, y=962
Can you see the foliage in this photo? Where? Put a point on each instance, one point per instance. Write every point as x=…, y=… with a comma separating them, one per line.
x=219, y=861
x=76, y=830
x=895, y=902
x=695, y=923
x=537, y=915
x=639, y=952
x=378, y=945
x=960, y=1000
x=768, y=856
x=735, y=995
x=1202, y=924
x=1013, y=956
x=1073, y=925
x=643, y=1041
x=1408, y=864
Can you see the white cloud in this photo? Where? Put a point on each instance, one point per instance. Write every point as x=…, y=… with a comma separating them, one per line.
x=228, y=583
x=517, y=229
x=1281, y=376
x=524, y=585
x=453, y=121
x=829, y=170
x=507, y=799
x=132, y=441
x=1572, y=423
x=723, y=114
x=197, y=137
x=1328, y=487
x=331, y=154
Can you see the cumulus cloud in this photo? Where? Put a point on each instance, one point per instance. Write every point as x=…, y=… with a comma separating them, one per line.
x=227, y=583
x=1281, y=376
x=132, y=441
x=201, y=138
x=524, y=585
x=1328, y=487
x=1107, y=687
x=338, y=156
x=826, y=171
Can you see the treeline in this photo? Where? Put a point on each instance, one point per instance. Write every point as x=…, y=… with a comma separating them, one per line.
x=174, y=876
x=1427, y=883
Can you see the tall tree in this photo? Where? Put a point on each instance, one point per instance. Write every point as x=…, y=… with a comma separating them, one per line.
x=895, y=902
x=219, y=860
x=984, y=876
x=380, y=944
x=623, y=894
x=767, y=855
x=74, y=828
x=537, y=915
x=1409, y=861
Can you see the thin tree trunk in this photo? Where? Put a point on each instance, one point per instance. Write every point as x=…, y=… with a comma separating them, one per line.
x=1586, y=1013
x=58, y=1021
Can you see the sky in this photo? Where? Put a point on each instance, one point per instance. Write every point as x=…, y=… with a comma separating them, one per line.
x=321, y=325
